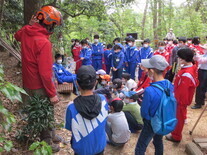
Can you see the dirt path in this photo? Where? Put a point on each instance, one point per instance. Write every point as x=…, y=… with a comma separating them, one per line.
x=12, y=75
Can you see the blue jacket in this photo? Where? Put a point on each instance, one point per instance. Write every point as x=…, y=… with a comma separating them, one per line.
x=107, y=57
x=152, y=99
x=88, y=136
x=60, y=72
x=132, y=55
x=123, y=48
x=86, y=54
x=117, y=60
x=97, y=51
x=145, y=53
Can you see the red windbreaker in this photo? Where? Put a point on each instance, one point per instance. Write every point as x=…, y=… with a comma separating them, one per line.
x=36, y=51
x=165, y=54
x=185, y=83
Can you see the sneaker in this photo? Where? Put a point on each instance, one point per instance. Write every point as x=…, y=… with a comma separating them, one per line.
x=196, y=107
x=170, y=138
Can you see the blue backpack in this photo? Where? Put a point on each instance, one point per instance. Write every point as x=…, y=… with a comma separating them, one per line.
x=164, y=121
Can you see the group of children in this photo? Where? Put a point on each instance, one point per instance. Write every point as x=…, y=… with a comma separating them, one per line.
x=110, y=108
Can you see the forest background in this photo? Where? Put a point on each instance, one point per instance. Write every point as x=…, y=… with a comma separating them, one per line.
x=111, y=18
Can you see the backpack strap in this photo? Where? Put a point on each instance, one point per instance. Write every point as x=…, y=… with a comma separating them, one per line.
x=166, y=90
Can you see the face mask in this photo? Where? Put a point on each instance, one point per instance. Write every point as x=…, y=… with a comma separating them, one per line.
x=161, y=48
x=116, y=51
x=180, y=44
x=130, y=44
x=84, y=47
x=96, y=40
x=189, y=42
x=145, y=45
x=165, y=42
x=59, y=61
x=103, y=82
x=126, y=100
x=77, y=44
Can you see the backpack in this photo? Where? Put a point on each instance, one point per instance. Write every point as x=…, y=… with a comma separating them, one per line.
x=164, y=121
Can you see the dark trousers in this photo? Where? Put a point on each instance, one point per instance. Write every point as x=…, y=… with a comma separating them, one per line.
x=108, y=67
x=131, y=70
x=133, y=125
x=201, y=89
x=145, y=137
x=97, y=64
x=117, y=74
x=170, y=75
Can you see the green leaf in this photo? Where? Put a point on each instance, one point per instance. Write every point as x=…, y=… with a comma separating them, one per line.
x=8, y=146
x=33, y=146
x=3, y=110
x=1, y=149
x=37, y=152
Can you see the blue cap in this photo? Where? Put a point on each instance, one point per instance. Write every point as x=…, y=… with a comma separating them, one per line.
x=129, y=93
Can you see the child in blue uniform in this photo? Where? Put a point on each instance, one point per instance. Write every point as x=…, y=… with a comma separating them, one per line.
x=86, y=53
x=61, y=74
x=97, y=53
x=107, y=57
x=117, y=62
x=86, y=117
x=145, y=52
x=131, y=57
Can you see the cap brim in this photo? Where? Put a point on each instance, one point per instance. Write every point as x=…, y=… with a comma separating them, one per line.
x=145, y=63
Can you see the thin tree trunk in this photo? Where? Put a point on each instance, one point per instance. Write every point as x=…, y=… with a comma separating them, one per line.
x=1, y=10
x=30, y=8
x=155, y=19
x=159, y=28
x=144, y=20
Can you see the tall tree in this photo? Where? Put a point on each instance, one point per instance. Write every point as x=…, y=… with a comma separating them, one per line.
x=1, y=10
x=159, y=24
x=144, y=20
x=30, y=7
x=154, y=12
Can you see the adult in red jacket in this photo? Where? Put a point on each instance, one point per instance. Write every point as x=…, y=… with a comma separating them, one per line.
x=76, y=54
x=36, y=51
x=185, y=83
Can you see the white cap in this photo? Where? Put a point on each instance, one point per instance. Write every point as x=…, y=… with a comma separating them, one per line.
x=156, y=61
x=101, y=72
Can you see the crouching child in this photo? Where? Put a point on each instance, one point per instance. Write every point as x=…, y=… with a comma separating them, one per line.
x=117, y=128
x=86, y=116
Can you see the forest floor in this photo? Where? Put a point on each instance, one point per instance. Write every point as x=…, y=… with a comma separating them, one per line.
x=13, y=75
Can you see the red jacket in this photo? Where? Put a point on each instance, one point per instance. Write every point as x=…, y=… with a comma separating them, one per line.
x=36, y=50
x=76, y=52
x=164, y=54
x=198, y=47
x=185, y=83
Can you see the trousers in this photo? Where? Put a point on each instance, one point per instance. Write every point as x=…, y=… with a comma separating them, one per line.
x=181, y=116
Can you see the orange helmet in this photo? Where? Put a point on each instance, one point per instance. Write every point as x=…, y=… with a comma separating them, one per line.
x=49, y=15
x=106, y=77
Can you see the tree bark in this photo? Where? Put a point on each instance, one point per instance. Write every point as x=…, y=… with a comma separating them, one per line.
x=1, y=10
x=154, y=5
x=30, y=8
x=159, y=28
x=144, y=20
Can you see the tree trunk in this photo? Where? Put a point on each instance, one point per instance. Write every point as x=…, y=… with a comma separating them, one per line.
x=1, y=10
x=159, y=28
x=30, y=8
x=154, y=12
x=144, y=20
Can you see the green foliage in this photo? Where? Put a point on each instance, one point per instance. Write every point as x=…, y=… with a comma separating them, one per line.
x=40, y=116
x=12, y=92
x=40, y=148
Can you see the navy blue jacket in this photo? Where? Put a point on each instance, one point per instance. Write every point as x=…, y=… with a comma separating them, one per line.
x=107, y=54
x=145, y=53
x=86, y=54
x=117, y=60
x=132, y=55
x=97, y=51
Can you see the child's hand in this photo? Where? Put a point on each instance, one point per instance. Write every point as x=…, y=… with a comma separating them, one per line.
x=33, y=20
x=114, y=69
x=54, y=100
x=81, y=58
